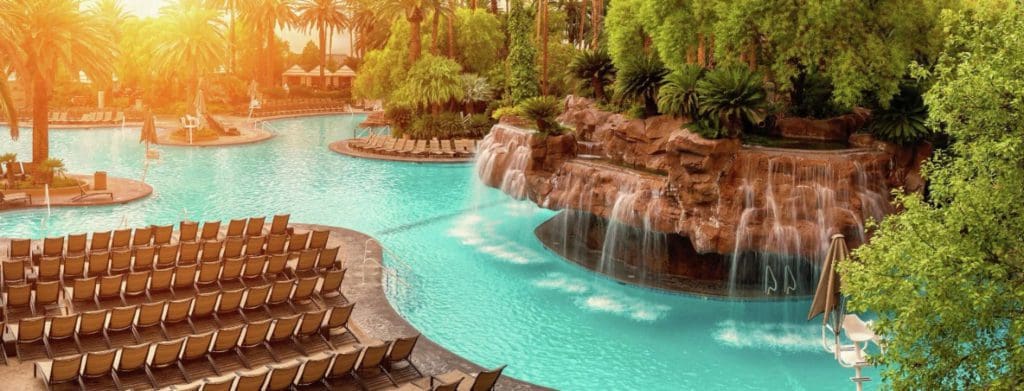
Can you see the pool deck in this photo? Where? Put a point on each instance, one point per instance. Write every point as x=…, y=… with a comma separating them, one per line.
x=344, y=147
x=124, y=190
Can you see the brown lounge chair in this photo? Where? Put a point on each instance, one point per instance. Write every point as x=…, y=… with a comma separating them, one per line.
x=483, y=381
x=15, y=197
x=86, y=193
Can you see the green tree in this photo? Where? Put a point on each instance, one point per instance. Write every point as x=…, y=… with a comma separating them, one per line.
x=47, y=36
x=639, y=81
x=321, y=15
x=231, y=6
x=946, y=275
x=383, y=70
x=7, y=47
x=310, y=56
x=192, y=40
x=593, y=67
x=266, y=16
x=479, y=39
x=432, y=82
x=522, y=75
x=414, y=12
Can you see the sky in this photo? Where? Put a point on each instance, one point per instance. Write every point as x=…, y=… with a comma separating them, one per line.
x=296, y=39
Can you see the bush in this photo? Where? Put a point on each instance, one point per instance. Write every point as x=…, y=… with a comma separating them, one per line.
x=543, y=110
x=401, y=117
x=678, y=97
x=500, y=112
x=594, y=69
x=905, y=120
x=639, y=81
x=812, y=97
x=450, y=126
x=732, y=97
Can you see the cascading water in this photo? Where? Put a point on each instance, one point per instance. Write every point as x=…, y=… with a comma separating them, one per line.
x=502, y=159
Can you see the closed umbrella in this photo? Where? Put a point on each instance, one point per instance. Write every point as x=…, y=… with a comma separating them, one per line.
x=200, y=105
x=827, y=296
x=148, y=134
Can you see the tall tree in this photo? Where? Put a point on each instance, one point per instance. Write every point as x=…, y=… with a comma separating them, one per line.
x=193, y=41
x=946, y=275
x=543, y=31
x=521, y=62
x=52, y=35
x=231, y=7
x=267, y=16
x=7, y=36
x=438, y=9
x=414, y=12
x=322, y=15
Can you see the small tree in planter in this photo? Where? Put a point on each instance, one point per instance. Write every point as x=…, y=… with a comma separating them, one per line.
x=51, y=168
x=543, y=110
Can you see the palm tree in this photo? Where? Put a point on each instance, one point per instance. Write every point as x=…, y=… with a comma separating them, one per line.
x=414, y=11
x=112, y=15
x=231, y=6
x=438, y=8
x=321, y=15
x=267, y=16
x=7, y=109
x=193, y=40
x=52, y=35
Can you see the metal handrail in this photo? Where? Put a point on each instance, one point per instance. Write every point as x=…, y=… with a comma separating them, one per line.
x=775, y=283
x=390, y=272
x=788, y=276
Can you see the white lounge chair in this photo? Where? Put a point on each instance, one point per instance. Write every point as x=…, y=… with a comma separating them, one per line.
x=86, y=193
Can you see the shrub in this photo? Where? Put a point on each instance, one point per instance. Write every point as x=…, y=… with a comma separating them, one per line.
x=543, y=110
x=812, y=97
x=595, y=69
x=905, y=120
x=400, y=116
x=522, y=77
x=450, y=126
x=500, y=112
x=678, y=97
x=733, y=97
x=640, y=80
x=708, y=128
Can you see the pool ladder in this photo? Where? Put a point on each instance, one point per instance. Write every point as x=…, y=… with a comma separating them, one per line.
x=769, y=274
x=391, y=273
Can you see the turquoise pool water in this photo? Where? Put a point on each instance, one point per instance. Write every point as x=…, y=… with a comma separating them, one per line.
x=471, y=275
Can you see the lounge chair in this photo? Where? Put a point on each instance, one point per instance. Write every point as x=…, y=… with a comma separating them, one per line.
x=84, y=193
x=60, y=370
x=99, y=365
x=343, y=367
x=252, y=380
x=165, y=354
x=120, y=325
x=318, y=239
x=421, y=147
x=279, y=224
x=196, y=348
x=313, y=370
x=188, y=231
x=371, y=366
x=15, y=197
x=132, y=362
x=62, y=328
x=76, y=244
x=484, y=381
x=446, y=148
x=338, y=321
x=48, y=269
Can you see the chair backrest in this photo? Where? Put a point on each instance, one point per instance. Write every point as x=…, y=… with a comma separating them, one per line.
x=281, y=292
x=276, y=243
x=226, y=339
x=442, y=386
x=99, y=263
x=276, y=264
x=236, y=227
x=332, y=281
x=307, y=260
x=282, y=376
x=177, y=310
x=76, y=243
x=254, y=245
x=486, y=380
x=31, y=329
x=135, y=283
x=230, y=300
x=340, y=315
x=318, y=239
x=167, y=255
x=208, y=273
x=252, y=380
x=162, y=234
x=402, y=348
x=121, y=318
x=92, y=322
x=255, y=333
x=188, y=252
x=14, y=271
x=279, y=224
x=222, y=383
x=49, y=269
x=110, y=287
x=53, y=247
x=84, y=289
x=232, y=268
x=373, y=356
x=254, y=227
x=150, y=314
x=19, y=295
x=160, y=280
x=120, y=261
x=204, y=304
x=100, y=241
x=62, y=327
x=144, y=257
x=74, y=266
x=133, y=357
x=143, y=236
x=233, y=247
x=122, y=238
x=254, y=266
x=99, y=363
x=20, y=248
x=211, y=229
x=166, y=353
x=256, y=297
x=304, y=288
x=211, y=250
x=47, y=292
x=311, y=322
x=314, y=369
x=297, y=241
x=344, y=363
x=284, y=328
x=328, y=257
x=65, y=369
x=188, y=231
x=184, y=276
x=196, y=346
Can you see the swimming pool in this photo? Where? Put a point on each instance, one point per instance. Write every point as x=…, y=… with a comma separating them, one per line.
x=471, y=275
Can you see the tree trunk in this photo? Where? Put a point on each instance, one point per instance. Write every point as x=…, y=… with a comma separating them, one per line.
x=415, y=44
x=451, y=36
x=542, y=12
x=700, y=50
x=435, y=25
x=595, y=84
x=8, y=103
x=595, y=22
x=472, y=4
x=581, y=35
x=231, y=39
x=352, y=43
x=269, y=58
x=494, y=6
x=323, y=54
x=40, y=121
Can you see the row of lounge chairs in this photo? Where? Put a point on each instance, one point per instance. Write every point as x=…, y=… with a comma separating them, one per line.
x=388, y=145
x=99, y=117
x=300, y=106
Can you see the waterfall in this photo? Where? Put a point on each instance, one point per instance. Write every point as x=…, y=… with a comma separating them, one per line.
x=502, y=159
x=618, y=225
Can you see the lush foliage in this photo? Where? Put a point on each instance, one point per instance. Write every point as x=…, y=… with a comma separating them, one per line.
x=594, y=69
x=521, y=62
x=945, y=276
x=732, y=98
x=432, y=81
x=904, y=121
x=479, y=40
x=450, y=125
x=679, y=96
x=542, y=110
x=639, y=80
x=811, y=96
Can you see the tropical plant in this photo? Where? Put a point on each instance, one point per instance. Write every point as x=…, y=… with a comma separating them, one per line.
x=266, y=16
x=905, y=121
x=479, y=40
x=543, y=29
x=7, y=47
x=8, y=158
x=432, y=82
x=522, y=79
x=639, y=81
x=47, y=36
x=543, y=111
x=231, y=6
x=678, y=97
x=593, y=67
x=477, y=89
x=733, y=97
x=414, y=12
x=322, y=15
x=504, y=111
x=53, y=167
x=193, y=40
